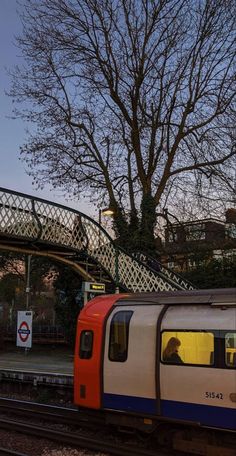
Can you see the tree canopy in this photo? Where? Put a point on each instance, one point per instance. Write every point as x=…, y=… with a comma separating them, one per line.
x=69, y=302
x=13, y=272
x=213, y=273
x=133, y=103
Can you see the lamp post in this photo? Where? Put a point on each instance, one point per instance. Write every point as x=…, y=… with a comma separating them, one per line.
x=106, y=211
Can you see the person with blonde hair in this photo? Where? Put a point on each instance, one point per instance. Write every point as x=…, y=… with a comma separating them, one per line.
x=170, y=354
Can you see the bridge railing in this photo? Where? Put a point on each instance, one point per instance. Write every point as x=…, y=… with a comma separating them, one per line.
x=41, y=223
x=172, y=276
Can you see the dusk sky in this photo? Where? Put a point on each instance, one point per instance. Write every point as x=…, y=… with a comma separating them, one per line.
x=13, y=132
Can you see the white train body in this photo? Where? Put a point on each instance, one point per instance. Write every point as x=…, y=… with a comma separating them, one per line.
x=137, y=381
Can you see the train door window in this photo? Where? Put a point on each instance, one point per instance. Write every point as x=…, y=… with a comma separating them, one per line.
x=230, y=349
x=188, y=347
x=86, y=345
x=119, y=336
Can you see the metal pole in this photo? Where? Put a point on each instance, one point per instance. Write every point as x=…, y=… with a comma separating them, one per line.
x=100, y=216
x=28, y=281
x=28, y=289
x=100, y=222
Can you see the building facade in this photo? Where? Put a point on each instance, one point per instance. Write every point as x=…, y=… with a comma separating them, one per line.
x=190, y=243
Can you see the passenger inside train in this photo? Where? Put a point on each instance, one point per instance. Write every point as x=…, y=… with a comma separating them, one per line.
x=170, y=354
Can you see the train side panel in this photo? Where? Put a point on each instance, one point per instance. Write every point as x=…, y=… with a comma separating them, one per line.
x=202, y=394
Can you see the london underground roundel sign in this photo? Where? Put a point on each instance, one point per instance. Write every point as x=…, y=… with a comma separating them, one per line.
x=24, y=331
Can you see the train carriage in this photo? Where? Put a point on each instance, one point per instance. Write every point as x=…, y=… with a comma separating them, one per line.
x=120, y=364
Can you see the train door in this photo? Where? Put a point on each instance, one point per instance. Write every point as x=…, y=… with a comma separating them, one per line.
x=196, y=384
x=130, y=359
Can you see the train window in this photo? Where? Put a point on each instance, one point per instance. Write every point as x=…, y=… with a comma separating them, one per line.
x=86, y=344
x=188, y=347
x=230, y=349
x=119, y=335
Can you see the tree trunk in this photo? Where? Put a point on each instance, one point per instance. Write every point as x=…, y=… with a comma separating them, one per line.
x=148, y=221
x=137, y=234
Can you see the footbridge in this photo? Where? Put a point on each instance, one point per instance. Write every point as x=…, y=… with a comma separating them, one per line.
x=35, y=226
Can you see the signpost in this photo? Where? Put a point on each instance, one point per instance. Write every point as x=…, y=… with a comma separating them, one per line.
x=91, y=288
x=24, y=329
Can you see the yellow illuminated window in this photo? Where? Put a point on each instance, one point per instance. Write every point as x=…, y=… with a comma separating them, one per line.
x=188, y=347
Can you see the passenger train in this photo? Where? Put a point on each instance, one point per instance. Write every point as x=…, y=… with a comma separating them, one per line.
x=120, y=367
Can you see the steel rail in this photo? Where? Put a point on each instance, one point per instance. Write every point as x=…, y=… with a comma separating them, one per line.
x=8, y=452
x=76, y=440
x=71, y=416
x=53, y=413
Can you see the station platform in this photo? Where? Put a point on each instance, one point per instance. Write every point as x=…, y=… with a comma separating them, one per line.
x=38, y=365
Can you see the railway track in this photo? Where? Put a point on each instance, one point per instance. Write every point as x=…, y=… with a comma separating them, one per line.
x=79, y=437
x=66, y=416
x=76, y=440
x=7, y=452
x=62, y=415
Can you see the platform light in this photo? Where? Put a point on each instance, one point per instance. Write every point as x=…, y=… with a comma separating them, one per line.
x=107, y=211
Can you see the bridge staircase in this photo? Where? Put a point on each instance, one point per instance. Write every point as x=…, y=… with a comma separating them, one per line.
x=35, y=226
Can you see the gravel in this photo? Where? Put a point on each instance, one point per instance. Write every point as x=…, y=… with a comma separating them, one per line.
x=39, y=447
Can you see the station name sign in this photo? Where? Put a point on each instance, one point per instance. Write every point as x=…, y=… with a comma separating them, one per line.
x=94, y=287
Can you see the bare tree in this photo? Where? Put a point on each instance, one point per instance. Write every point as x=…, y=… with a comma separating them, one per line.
x=132, y=101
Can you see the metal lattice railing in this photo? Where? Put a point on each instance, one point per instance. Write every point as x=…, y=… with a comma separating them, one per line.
x=41, y=222
x=171, y=276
